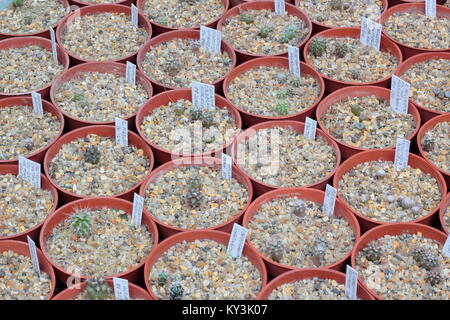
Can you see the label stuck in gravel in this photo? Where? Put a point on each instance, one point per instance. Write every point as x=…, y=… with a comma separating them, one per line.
x=370, y=33
x=210, y=39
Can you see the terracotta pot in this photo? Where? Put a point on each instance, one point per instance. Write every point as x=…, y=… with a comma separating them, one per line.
x=44, y=33
x=67, y=210
x=395, y=230
x=33, y=232
x=430, y=124
x=387, y=155
x=227, y=226
x=20, y=42
x=359, y=91
x=103, y=67
x=159, y=29
x=190, y=236
x=234, y=3
x=319, y=27
x=179, y=34
x=396, y=2
x=163, y=155
x=38, y=155
x=135, y=291
x=260, y=187
x=81, y=3
x=425, y=113
x=104, y=131
x=444, y=206
x=274, y=268
x=308, y=273
x=386, y=45
x=243, y=56
x=279, y=62
x=409, y=51
x=96, y=9
x=23, y=249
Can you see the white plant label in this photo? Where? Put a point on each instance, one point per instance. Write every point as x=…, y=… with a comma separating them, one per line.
x=370, y=33
x=430, y=8
x=446, y=249
x=329, y=200
x=54, y=48
x=203, y=95
x=130, y=73
x=37, y=103
x=399, y=95
x=401, y=153
x=138, y=207
x=294, y=60
x=237, y=241
x=210, y=39
x=33, y=255
x=280, y=6
x=121, y=132
x=121, y=290
x=30, y=171
x=310, y=128
x=351, y=283
x=134, y=15
x=227, y=166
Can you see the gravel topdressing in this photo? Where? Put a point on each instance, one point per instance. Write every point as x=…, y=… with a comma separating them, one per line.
x=436, y=145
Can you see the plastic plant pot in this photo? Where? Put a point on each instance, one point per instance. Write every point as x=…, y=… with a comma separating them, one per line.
x=414, y=161
x=38, y=155
x=425, y=113
x=359, y=91
x=67, y=210
x=103, y=67
x=234, y=3
x=163, y=155
x=260, y=187
x=81, y=3
x=19, y=42
x=97, y=9
x=427, y=126
x=274, y=268
x=135, y=291
x=395, y=230
x=227, y=226
x=386, y=45
x=159, y=28
x=33, y=232
x=22, y=248
x=319, y=27
x=43, y=33
x=444, y=206
x=397, y=2
x=308, y=273
x=104, y=131
x=409, y=51
x=250, y=119
x=180, y=34
x=190, y=236
x=243, y=56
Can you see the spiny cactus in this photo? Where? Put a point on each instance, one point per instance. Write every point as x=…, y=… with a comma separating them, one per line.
x=18, y=3
x=207, y=119
x=295, y=82
x=340, y=50
x=425, y=258
x=281, y=94
x=193, y=198
x=195, y=182
x=276, y=250
x=372, y=254
x=81, y=224
x=77, y=97
x=288, y=34
x=318, y=47
x=336, y=4
x=246, y=17
x=282, y=108
x=290, y=92
x=196, y=114
x=176, y=290
x=299, y=209
x=317, y=251
x=92, y=155
x=265, y=31
x=427, y=145
x=162, y=278
x=97, y=289
x=27, y=20
x=356, y=74
x=434, y=278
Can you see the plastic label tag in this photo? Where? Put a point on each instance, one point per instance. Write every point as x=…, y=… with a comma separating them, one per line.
x=138, y=207
x=33, y=255
x=130, y=73
x=402, y=153
x=294, y=60
x=134, y=15
x=227, y=166
x=370, y=33
x=446, y=249
x=430, y=8
x=210, y=39
x=54, y=48
x=237, y=241
x=30, y=171
x=280, y=6
x=203, y=95
x=329, y=200
x=399, y=95
x=121, y=132
x=121, y=290
x=351, y=283
x=37, y=103
x=310, y=128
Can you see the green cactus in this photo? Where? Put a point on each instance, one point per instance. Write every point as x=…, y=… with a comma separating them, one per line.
x=176, y=290
x=92, y=155
x=372, y=254
x=265, y=31
x=18, y=3
x=318, y=47
x=207, y=119
x=282, y=108
x=97, y=289
x=27, y=20
x=247, y=17
x=425, y=258
x=196, y=114
x=77, y=97
x=288, y=34
x=81, y=224
x=193, y=198
x=162, y=278
x=356, y=74
x=356, y=110
x=179, y=111
x=295, y=82
x=195, y=182
x=281, y=94
x=340, y=50
x=434, y=278
x=317, y=251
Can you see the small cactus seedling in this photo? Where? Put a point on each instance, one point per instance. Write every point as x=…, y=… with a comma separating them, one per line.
x=92, y=155
x=356, y=74
x=97, y=289
x=27, y=20
x=425, y=258
x=318, y=47
x=247, y=17
x=276, y=250
x=288, y=34
x=77, y=97
x=161, y=21
x=290, y=92
x=356, y=110
x=176, y=290
x=195, y=182
x=282, y=108
x=317, y=251
x=207, y=119
x=299, y=209
x=17, y=3
x=265, y=31
x=179, y=111
x=295, y=82
x=336, y=4
x=427, y=145
x=434, y=278
x=196, y=114
x=380, y=174
x=81, y=224
x=340, y=50
x=193, y=198
x=162, y=278
x=372, y=254
x=281, y=94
